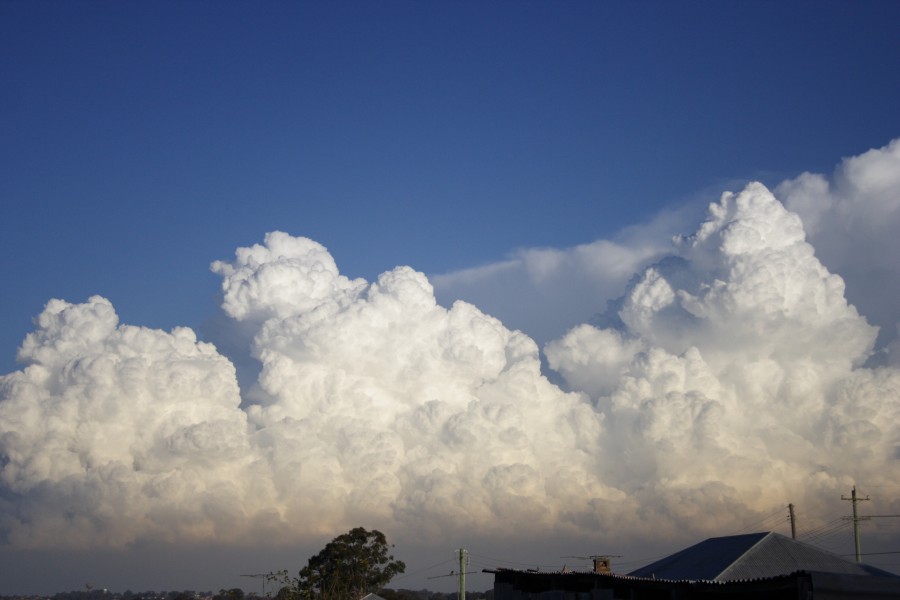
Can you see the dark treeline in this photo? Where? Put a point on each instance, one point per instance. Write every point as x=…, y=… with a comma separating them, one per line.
x=234, y=594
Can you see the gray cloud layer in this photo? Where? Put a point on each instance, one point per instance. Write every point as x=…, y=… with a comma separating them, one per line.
x=729, y=379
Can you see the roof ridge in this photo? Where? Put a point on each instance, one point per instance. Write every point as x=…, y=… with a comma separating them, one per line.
x=764, y=535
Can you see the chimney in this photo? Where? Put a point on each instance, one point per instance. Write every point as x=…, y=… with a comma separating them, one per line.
x=601, y=564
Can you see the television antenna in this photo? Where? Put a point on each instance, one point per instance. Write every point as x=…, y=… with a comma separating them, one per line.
x=601, y=562
x=264, y=576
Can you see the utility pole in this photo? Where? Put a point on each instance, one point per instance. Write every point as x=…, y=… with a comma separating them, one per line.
x=856, y=518
x=461, y=576
x=793, y=522
x=463, y=559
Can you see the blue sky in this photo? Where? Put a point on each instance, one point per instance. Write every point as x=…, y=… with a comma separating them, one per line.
x=141, y=141
x=530, y=157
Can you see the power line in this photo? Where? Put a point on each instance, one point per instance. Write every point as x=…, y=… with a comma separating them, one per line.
x=775, y=518
x=499, y=561
x=824, y=530
x=434, y=566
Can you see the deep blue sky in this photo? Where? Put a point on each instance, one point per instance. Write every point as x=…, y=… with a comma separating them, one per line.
x=139, y=141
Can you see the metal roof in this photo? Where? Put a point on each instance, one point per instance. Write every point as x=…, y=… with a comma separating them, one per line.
x=750, y=556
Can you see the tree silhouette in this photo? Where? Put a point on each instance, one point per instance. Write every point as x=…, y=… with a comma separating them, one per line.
x=350, y=566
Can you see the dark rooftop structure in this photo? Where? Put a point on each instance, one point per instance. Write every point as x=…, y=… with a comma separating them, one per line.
x=750, y=556
x=757, y=565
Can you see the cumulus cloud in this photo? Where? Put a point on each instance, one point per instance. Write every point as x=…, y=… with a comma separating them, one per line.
x=732, y=380
x=286, y=276
x=731, y=377
x=378, y=406
x=384, y=405
x=853, y=218
x=113, y=432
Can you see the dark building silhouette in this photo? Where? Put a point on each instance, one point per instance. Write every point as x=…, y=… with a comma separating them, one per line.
x=758, y=565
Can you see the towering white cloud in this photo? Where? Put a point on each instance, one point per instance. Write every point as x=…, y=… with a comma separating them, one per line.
x=732, y=382
x=378, y=406
x=853, y=220
x=384, y=405
x=112, y=433
x=730, y=378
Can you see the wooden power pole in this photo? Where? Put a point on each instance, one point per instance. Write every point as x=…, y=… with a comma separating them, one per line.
x=462, y=574
x=793, y=522
x=856, y=518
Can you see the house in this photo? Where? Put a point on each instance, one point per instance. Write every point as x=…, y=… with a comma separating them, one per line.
x=751, y=556
x=759, y=565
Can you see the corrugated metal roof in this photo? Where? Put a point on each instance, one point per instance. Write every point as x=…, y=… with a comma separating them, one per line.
x=705, y=560
x=750, y=556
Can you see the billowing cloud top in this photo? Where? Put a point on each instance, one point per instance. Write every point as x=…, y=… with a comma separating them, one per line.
x=729, y=380
x=853, y=220
x=284, y=277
